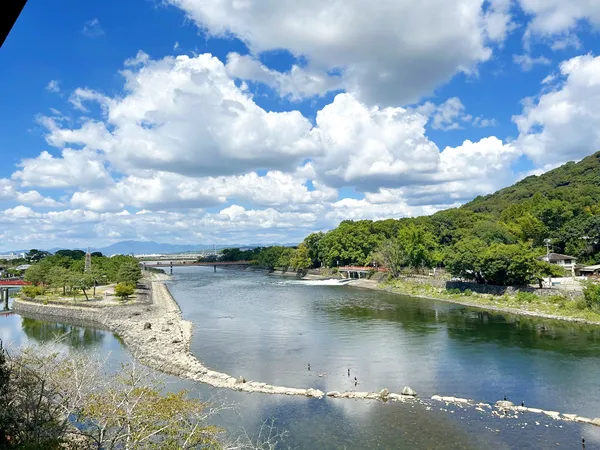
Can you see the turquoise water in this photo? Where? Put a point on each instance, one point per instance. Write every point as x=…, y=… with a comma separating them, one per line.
x=269, y=329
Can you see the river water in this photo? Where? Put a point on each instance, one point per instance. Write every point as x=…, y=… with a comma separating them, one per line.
x=269, y=329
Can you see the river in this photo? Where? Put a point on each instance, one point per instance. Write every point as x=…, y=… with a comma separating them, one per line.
x=269, y=329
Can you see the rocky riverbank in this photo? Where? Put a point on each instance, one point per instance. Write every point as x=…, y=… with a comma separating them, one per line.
x=474, y=302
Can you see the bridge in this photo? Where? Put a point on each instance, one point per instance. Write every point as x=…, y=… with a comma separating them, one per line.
x=357, y=271
x=171, y=264
x=13, y=283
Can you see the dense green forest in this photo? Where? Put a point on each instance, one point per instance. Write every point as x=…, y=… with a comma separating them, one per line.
x=495, y=239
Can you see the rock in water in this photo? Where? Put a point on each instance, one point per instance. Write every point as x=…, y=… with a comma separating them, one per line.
x=147, y=326
x=240, y=380
x=408, y=391
x=504, y=404
x=384, y=394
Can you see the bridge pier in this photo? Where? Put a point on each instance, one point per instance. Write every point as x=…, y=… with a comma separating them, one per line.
x=4, y=298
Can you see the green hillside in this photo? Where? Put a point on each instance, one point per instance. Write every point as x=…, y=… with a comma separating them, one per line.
x=494, y=239
x=578, y=183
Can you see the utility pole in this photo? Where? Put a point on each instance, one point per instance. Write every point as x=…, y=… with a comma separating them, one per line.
x=548, y=242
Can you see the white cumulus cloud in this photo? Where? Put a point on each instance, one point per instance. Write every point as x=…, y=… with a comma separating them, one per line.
x=389, y=52
x=563, y=124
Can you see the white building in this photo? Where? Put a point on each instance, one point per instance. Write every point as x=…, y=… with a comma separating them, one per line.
x=565, y=261
x=11, y=256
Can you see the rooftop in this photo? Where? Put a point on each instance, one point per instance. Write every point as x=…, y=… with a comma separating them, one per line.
x=557, y=257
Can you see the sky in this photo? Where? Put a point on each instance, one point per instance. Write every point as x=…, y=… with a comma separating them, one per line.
x=260, y=121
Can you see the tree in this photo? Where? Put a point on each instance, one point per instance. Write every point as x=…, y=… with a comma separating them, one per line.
x=124, y=290
x=418, y=246
x=129, y=272
x=133, y=410
x=34, y=255
x=73, y=254
x=591, y=295
x=32, y=291
x=43, y=392
x=82, y=281
x=98, y=276
x=509, y=265
x=544, y=269
x=463, y=259
x=57, y=277
x=312, y=244
x=36, y=274
x=300, y=259
x=390, y=254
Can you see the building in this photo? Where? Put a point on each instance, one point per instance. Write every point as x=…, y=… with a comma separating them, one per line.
x=589, y=271
x=565, y=261
x=11, y=256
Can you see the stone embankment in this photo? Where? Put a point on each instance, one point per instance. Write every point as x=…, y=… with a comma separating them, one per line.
x=503, y=408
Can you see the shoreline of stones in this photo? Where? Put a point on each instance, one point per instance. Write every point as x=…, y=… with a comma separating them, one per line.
x=502, y=407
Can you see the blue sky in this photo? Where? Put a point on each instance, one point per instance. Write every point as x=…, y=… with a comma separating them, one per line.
x=220, y=121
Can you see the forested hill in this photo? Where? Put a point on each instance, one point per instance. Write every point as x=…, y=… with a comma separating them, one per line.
x=578, y=183
x=496, y=231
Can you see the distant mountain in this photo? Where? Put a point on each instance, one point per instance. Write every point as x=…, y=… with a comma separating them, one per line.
x=151, y=247
x=148, y=247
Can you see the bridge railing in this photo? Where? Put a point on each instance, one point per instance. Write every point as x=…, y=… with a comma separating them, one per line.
x=362, y=268
x=14, y=283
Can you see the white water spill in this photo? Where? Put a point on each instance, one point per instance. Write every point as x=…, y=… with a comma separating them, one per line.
x=331, y=282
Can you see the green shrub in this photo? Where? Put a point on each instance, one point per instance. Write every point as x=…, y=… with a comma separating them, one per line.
x=454, y=291
x=581, y=304
x=32, y=291
x=124, y=290
x=526, y=297
x=468, y=292
x=559, y=299
x=591, y=295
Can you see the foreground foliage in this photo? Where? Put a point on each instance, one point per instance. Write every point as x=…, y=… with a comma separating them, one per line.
x=52, y=400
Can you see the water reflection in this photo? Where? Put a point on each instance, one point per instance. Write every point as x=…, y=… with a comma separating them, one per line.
x=76, y=337
x=266, y=329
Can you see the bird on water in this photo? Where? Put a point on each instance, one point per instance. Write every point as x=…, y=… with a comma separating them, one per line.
x=309, y=367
